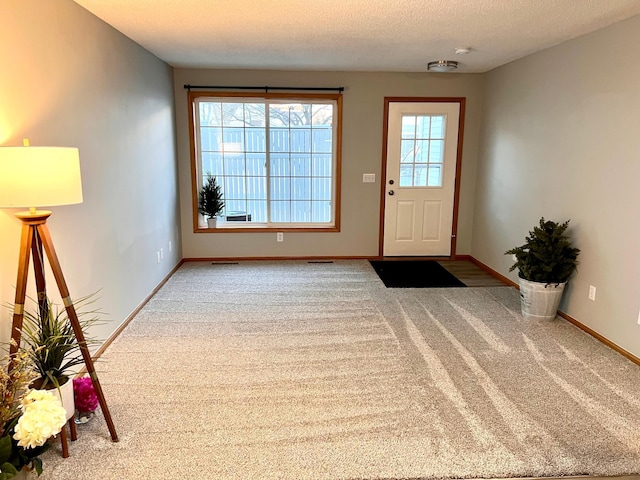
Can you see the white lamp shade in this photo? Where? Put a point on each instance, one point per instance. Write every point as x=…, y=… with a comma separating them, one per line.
x=39, y=176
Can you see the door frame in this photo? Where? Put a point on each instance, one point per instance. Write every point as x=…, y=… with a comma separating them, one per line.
x=383, y=183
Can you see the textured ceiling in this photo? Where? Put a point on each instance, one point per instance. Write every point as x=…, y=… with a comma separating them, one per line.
x=354, y=35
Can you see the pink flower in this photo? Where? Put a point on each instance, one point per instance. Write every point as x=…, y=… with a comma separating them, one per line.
x=84, y=395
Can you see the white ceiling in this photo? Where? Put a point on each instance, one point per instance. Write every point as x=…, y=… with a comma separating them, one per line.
x=353, y=35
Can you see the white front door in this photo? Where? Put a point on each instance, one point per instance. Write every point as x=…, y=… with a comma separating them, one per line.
x=421, y=158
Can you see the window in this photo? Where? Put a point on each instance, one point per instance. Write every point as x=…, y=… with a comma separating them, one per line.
x=276, y=158
x=422, y=150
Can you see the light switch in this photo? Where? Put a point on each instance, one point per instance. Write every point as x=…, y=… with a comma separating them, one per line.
x=368, y=178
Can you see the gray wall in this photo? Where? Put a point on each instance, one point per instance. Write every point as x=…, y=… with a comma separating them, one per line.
x=68, y=79
x=363, y=105
x=560, y=140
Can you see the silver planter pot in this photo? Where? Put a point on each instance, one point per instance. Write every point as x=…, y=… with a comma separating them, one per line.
x=540, y=301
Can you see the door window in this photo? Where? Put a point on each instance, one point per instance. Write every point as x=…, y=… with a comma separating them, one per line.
x=422, y=150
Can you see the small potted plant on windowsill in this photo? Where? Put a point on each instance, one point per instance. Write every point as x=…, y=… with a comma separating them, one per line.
x=210, y=202
x=545, y=263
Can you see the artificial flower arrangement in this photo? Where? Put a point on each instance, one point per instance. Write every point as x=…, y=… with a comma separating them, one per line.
x=85, y=398
x=28, y=418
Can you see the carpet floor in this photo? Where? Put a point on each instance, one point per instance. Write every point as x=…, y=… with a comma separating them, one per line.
x=292, y=370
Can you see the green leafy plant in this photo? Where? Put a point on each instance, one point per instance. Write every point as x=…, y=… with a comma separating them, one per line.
x=548, y=255
x=210, y=202
x=50, y=341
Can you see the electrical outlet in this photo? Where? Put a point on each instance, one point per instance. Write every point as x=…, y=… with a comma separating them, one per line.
x=158, y=256
x=169, y=246
x=368, y=178
x=638, y=318
x=280, y=237
x=592, y=293
x=161, y=254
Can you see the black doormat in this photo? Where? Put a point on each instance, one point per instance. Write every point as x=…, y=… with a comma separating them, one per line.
x=414, y=274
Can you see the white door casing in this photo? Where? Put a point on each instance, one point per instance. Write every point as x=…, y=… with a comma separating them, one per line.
x=421, y=157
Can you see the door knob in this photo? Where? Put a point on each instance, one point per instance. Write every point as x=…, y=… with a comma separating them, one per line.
x=391, y=192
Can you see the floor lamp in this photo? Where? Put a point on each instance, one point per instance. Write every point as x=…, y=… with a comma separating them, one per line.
x=38, y=177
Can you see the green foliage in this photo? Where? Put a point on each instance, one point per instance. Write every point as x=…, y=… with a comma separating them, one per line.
x=547, y=256
x=13, y=457
x=210, y=201
x=6, y=455
x=51, y=343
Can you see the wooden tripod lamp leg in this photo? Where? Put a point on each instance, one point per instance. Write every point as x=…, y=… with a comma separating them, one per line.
x=38, y=270
x=28, y=232
x=43, y=232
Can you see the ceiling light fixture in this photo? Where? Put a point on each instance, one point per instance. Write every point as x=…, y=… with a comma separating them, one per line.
x=442, y=66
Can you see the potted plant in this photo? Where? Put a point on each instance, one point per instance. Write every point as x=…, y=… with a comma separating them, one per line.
x=545, y=262
x=52, y=347
x=210, y=203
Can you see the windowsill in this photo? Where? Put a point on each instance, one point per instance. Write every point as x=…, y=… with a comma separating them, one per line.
x=264, y=228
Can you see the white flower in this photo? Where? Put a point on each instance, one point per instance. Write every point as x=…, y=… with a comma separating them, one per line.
x=42, y=417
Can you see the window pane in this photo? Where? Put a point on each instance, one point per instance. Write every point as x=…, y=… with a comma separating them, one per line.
x=256, y=188
x=233, y=207
x=233, y=139
x=408, y=126
x=301, y=211
x=422, y=151
x=322, y=165
x=233, y=189
x=406, y=175
x=424, y=124
x=300, y=165
x=232, y=114
x=212, y=163
x=256, y=164
x=211, y=139
x=279, y=115
x=255, y=140
x=301, y=140
x=301, y=188
x=210, y=113
x=258, y=210
x=437, y=126
x=435, y=176
x=280, y=211
x=321, y=189
x=299, y=114
x=321, y=211
x=321, y=114
x=233, y=164
x=280, y=164
x=420, y=176
x=322, y=140
x=254, y=114
x=406, y=151
x=436, y=151
x=279, y=138
x=280, y=188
